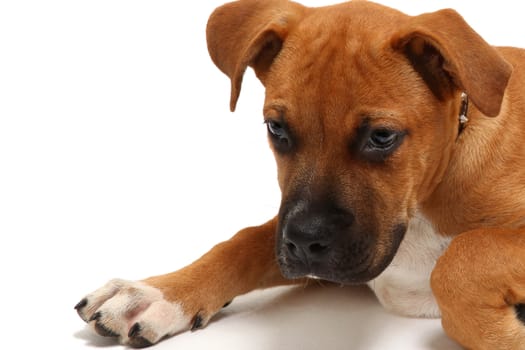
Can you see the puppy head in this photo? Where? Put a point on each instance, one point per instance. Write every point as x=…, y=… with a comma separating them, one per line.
x=362, y=106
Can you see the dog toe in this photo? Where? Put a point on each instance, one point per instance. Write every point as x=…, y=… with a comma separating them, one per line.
x=80, y=305
x=80, y=308
x=134, y=312
x=136, y=339
x=100, y=328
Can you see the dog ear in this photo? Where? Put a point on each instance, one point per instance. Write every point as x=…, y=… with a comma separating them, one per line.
x=249, y=33
x=450, y=55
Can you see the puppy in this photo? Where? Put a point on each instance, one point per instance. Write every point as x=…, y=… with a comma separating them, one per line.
x=401, y=162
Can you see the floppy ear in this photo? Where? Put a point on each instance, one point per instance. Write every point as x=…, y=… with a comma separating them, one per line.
x=450, y=55
x=249, y=33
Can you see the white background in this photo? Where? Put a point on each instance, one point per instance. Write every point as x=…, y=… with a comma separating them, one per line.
x=119, y=158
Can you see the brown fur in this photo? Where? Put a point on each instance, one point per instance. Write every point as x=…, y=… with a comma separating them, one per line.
x=477, y=281
x=329, y=70
x=231, y=268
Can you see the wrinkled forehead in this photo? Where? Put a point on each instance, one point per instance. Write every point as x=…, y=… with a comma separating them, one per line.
x=329, y=72
x=340, y=55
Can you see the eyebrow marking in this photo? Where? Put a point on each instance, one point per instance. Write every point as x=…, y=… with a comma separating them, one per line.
x=273, y=107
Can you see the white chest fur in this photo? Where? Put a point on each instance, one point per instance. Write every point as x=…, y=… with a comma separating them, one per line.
x=404, y=287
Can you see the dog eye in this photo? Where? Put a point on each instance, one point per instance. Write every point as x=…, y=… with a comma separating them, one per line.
x=275, y=129
x=382, y=139
x=279, y=136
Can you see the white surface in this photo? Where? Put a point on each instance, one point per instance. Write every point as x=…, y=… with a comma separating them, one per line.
x=119, y=158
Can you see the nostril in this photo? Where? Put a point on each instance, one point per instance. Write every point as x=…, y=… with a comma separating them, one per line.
x=317, y=248
x=291, y=247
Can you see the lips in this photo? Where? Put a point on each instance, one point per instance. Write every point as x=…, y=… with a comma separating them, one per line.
x=334, y=270
x=348, y=263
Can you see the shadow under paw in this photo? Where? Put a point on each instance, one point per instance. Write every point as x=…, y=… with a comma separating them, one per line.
x=94, y=340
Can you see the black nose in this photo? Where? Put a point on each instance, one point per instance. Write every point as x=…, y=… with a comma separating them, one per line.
x=308, y=236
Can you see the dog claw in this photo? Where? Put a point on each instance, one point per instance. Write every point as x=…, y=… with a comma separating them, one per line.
x=520, y=312
x=135, y=339
x=81, y=304
x=197, y=322
x=134, y=330
x=105, y=332
x=96, y=316
x=100, y=328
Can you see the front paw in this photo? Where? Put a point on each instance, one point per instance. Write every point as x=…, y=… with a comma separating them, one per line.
x=134, y=312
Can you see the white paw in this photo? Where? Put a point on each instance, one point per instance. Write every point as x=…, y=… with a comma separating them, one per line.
x=135, y=312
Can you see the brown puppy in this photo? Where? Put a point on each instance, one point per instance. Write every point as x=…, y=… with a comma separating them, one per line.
x=380, y=158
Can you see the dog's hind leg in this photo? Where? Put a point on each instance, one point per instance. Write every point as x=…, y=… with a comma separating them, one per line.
x=479, y=284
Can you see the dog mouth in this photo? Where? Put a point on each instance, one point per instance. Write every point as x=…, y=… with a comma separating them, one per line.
x=344, y=262
x=358, y=273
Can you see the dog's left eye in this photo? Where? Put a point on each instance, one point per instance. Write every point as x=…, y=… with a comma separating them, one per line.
x=381, y=143
x=382, y=139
